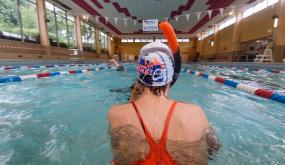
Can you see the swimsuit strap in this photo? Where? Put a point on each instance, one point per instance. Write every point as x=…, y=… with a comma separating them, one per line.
x=166, y=125
x=147, y=133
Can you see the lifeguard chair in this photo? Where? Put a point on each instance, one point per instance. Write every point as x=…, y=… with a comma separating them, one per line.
x=266, y=56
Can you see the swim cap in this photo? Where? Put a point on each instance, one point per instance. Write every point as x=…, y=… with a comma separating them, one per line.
x=155, y=65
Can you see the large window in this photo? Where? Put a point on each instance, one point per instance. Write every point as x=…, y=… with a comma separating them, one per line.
x=124, y=40
x=250, y=10
x=247, y=12
x=227, y=22
x=28, y=10
x=103, y=42
x=258, y=7
x=62, y=30
x=61, y=27
x=88, y=36
x=18, y=20
x=71, y=32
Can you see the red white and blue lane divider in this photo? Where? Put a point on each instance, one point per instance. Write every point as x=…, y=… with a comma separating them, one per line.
x=8, y=79
x=248, y=69
x=7, y=68
x=243, y=87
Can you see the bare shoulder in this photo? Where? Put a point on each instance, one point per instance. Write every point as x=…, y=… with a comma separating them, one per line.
x=189, y=106
x=117, y=114
x=191, y=120
x=193, y=110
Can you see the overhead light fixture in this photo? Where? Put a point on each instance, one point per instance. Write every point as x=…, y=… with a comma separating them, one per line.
x=231, y=13
x=275, y=21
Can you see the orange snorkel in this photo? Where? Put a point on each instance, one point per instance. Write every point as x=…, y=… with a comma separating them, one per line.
x=170, y=35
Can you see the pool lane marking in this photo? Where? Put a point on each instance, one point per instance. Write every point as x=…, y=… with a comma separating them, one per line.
x=246, y=69
x=265, y=93
x=7, y=68
x=249, y=69
x=8, y=79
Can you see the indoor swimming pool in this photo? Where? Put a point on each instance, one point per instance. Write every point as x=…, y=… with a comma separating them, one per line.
x=62, y=119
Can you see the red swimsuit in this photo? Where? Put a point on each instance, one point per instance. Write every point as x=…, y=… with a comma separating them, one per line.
x=158, y=154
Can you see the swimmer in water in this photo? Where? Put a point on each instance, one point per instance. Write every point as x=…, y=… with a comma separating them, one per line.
x=153, y=129
x=117, y=65
x=132, y=89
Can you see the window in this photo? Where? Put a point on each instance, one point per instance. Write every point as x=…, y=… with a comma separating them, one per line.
x=164, y=40
x=271, y=2
x=61, y=27
x=51, y=27
x=157, y=40
x=18, y=20
x=49, y=6
x=62, y=31
x=103, y=42
x=59, y=11
x=185, y=40
x=209, y=32
x=247, y=12
x=9, y=21
x=137, y=40
x=124, y=40
x=179, y=40
x=88, y=36
x=149, y=40
x=28, y=10
x=260, y=6
x=71, y=32
x=130, y=40
x=143, y=40
x=227, y=23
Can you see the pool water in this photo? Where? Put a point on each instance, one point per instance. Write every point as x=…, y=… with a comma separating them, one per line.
x=261, y=79
x=62, y=120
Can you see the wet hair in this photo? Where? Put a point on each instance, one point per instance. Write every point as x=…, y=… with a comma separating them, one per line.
x=157, y=91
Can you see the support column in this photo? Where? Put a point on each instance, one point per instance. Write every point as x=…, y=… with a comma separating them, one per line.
x=193, y=48
x=97, y=41
x=236, y=35
x=109, y=46
x=279, y=33
x=44, y=38
x=78, y=33
x=216, y=40
x=202, y=50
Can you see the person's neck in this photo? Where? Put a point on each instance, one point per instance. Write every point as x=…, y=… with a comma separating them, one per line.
x=148, y=97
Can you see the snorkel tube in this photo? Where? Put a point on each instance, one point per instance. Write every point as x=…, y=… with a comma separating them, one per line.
x=170, y=35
